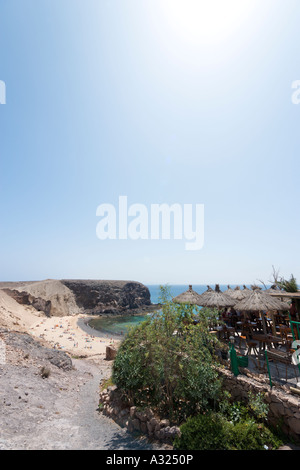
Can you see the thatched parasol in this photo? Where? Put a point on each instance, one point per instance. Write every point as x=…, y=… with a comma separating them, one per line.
x=236, y=294
x=216, y=298
x=246, y=290
x=258, y=301
x=189, y=297
x=228, y=290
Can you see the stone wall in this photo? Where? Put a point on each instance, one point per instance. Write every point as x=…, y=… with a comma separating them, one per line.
x=134, y=419
x=284, y=407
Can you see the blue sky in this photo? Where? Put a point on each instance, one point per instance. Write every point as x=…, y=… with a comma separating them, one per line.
x=164, y=102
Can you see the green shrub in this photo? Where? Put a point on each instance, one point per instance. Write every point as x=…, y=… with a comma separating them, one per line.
x=250, y=435
x=203, y=432
x=168, y=361
x=212, y=431
x=232, y=411
x=131, y=371
x=257, y=405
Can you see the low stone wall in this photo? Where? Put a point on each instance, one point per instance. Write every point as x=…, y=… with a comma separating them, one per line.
x=143, y=421
x=284, y=407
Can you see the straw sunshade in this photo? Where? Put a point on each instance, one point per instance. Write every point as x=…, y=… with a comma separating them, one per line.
x=216, y=298
x=246, y=290
x=237, y=294
x=258, y=301
x=189, y=297
x=228, y=291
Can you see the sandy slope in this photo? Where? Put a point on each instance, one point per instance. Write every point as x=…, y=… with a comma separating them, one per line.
x=15, y=316
x=61, y=332
x=62, y=298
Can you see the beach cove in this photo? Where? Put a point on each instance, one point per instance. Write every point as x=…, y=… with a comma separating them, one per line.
x=73, y=335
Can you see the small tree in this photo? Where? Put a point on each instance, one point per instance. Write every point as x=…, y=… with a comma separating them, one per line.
x=168, y=361
x=289, y=285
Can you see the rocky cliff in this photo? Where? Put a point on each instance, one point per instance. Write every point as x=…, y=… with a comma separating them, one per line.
x=108, y=296
x=71, y=297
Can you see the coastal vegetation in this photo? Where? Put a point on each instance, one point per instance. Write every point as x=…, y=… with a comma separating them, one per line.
x=169, y=364
x=230, y=426
x=214, y=431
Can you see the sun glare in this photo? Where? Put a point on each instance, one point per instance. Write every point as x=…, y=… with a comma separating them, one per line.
x=208, y=20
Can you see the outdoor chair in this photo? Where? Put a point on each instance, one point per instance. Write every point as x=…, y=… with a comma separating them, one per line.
x=243, y=338
x=252, y=346
x=246, y=338
x=286, y=336
x=259, y=364
x=281, y=358
x=259, y=327
x=228, y=331
x=269, y=326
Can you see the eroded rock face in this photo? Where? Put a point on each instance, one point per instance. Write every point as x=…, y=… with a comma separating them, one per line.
x=26, y=298
x=108, y=296
x=71, y=297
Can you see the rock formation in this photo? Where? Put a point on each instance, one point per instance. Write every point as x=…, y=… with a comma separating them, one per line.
x=108, y=296
x=71, y=297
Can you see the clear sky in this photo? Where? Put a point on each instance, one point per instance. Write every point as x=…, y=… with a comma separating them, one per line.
x=163, y=101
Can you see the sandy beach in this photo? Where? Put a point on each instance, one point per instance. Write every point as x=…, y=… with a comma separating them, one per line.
x=72, y=335
x=68, y=333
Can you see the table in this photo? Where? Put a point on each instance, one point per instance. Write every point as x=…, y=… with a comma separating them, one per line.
x=266, y=340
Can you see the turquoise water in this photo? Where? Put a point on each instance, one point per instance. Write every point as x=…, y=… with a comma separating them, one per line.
x=116, y=325
x=120, y=325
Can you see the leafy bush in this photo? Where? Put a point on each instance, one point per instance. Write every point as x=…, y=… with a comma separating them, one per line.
x=131, y=369
x=212, y=431
x=168, y=361
x=250, y=435
x=203, y=432
x=257, y=406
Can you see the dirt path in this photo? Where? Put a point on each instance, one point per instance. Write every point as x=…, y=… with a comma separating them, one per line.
x=58, y=412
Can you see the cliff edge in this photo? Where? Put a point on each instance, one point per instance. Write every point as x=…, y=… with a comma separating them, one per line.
x=71, y=297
